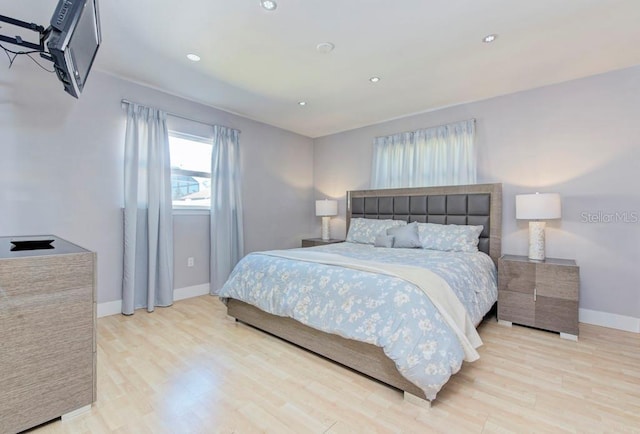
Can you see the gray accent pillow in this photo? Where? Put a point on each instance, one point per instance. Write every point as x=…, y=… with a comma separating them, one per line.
x=383, y=240
x=405, y=237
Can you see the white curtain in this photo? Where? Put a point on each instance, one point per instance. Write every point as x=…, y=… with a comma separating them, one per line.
x=148, y=225
x=443, y=155
x=227, y=240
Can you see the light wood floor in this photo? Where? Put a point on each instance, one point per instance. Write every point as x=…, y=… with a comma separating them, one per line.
x=188, y=369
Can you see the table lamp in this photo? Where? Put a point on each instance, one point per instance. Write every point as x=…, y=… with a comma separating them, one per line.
x=326, y=209
x=537, y=207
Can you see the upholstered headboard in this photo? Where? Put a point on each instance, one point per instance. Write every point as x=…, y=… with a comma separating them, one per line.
x=477, y=204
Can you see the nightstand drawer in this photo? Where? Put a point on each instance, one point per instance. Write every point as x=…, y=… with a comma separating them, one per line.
x=557, y=282
x=557, y=314
x=517, y=276
x=516, y=307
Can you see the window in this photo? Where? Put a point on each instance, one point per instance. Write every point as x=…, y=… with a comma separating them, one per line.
x=190, y=170
x=443, y=155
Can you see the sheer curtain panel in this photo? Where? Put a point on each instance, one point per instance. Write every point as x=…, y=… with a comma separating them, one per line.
x=443, y=155
x=148, y=223
x=227, y=240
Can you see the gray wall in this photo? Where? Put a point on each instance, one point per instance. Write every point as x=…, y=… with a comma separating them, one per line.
x=61, y=171
x=580, y=139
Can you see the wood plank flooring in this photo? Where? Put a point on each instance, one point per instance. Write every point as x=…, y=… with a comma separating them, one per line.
x=189, y=369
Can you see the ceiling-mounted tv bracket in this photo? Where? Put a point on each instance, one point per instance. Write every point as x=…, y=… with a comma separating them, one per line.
x=17, y=40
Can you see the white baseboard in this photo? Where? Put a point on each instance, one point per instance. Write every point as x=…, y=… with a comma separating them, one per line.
x=611, y=320
x=115, y=307
x=109, y=308
x=190, y=291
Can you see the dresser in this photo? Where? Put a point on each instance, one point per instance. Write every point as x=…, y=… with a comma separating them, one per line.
x=47, y=331
x=542, y=294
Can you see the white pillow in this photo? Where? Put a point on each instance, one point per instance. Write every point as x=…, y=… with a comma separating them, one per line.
x=364, y=231
x=449, y=238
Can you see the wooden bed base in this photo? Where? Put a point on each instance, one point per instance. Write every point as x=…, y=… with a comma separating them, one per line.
x=365, y=358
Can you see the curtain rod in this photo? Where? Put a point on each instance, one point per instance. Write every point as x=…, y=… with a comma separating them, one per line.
x=428, y=128
x=127, y=102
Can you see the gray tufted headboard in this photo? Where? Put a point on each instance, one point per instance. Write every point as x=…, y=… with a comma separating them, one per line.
x=477, y=204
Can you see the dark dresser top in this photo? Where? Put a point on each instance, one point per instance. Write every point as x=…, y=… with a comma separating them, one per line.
x=60, y=247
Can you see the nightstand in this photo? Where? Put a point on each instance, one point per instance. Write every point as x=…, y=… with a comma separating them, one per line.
x=542, y=294
x=311, y=242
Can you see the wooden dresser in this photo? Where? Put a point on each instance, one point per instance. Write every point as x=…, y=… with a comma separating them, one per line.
x=541, y=294
x=47, y=332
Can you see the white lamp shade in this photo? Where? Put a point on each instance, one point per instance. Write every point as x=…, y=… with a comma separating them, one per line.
x=326, y=208
x=538, y=206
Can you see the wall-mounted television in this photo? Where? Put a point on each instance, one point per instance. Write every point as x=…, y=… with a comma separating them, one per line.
x=73, y=41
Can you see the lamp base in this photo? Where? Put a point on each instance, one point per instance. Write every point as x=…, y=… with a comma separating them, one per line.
x=325, y=228
x=536, y=240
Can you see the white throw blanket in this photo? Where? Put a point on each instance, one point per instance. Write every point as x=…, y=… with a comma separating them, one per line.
x=435, y=287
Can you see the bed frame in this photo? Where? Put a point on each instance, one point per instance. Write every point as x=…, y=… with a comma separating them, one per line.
x=478, y=204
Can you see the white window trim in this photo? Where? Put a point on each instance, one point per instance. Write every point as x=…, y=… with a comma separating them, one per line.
x=192, y=210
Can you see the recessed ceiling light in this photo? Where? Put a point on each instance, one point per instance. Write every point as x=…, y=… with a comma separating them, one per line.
x=325, y=47
x=374, y=79
x=302, y=103
x=193, y=57
x=490, y=38
x=269, y=5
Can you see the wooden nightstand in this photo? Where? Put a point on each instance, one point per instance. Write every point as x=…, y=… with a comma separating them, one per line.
x=311, y=242
x=542, y=294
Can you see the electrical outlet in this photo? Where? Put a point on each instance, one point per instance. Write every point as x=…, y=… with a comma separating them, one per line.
x=190, y=261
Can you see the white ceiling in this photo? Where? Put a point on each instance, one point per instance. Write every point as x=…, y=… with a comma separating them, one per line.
x=428, y=53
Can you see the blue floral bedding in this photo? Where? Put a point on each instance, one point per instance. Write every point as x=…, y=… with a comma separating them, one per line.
x=378, y=309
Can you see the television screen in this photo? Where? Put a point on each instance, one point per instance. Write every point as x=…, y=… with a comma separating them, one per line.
x=74, y=41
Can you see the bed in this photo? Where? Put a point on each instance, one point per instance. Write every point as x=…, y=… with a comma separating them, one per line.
x=341, y=329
